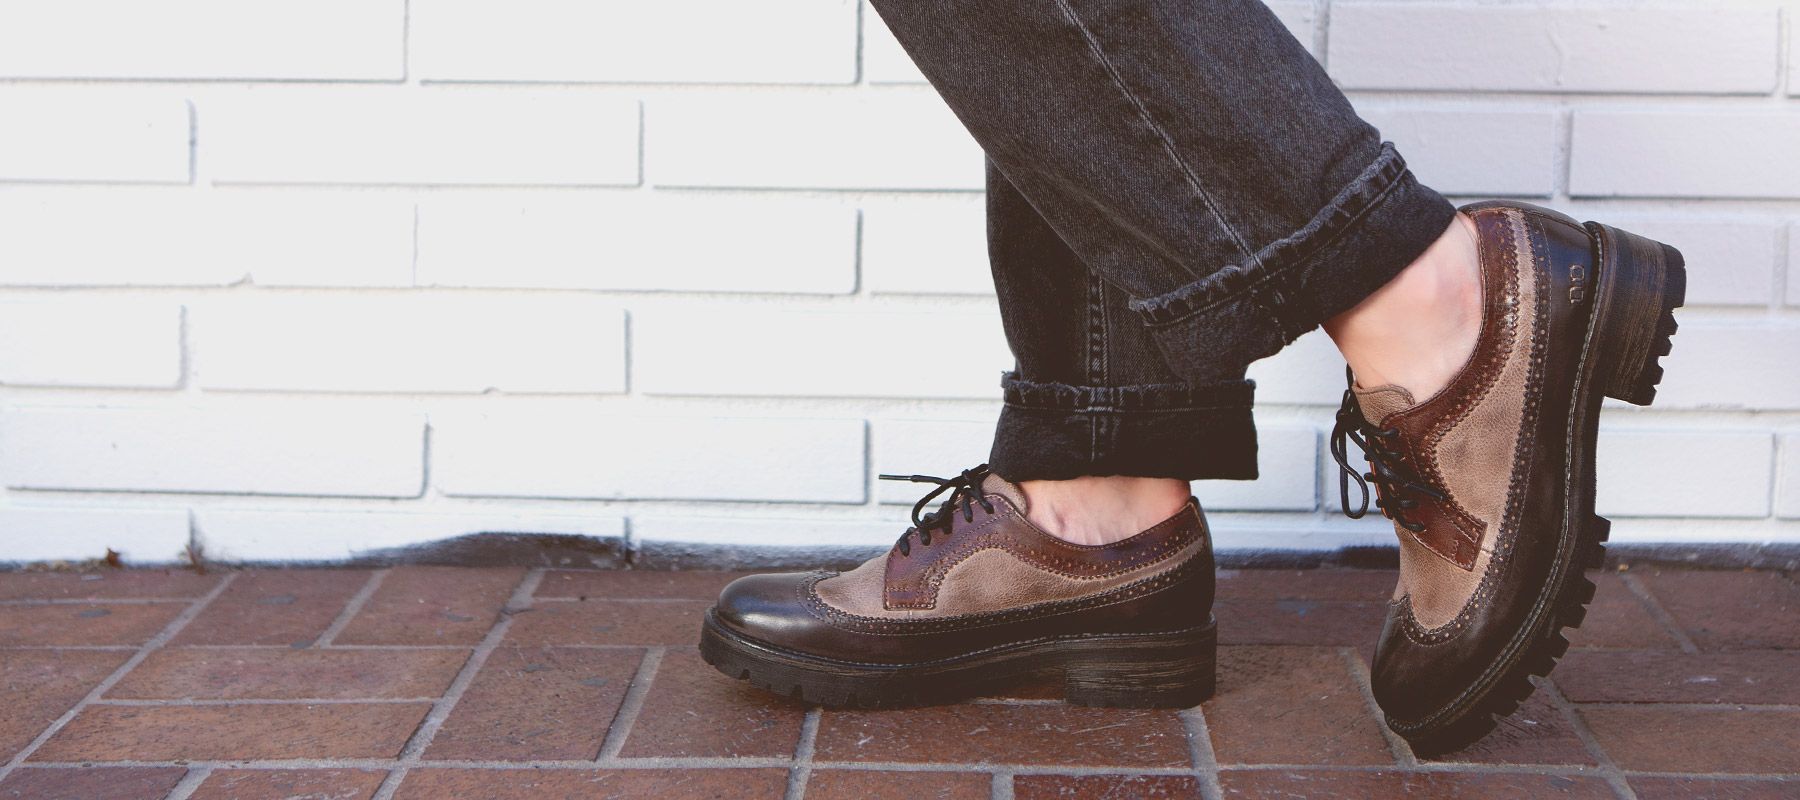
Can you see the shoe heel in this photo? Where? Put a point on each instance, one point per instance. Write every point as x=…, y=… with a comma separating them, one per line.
x=1170, y=670
x=1640, y=283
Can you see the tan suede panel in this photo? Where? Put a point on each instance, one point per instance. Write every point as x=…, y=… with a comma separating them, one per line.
x=1477, y=458
x=994, y=484
x=1383, y=401
x=859, y=591
x=988, y=580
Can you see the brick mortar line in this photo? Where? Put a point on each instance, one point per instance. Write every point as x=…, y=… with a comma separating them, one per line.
x=189, y=783
x=630, y=706
x=1200, y=752
x=351, y=609
x=655, y=762
x=440, y=710
x=1404, y=757
x=105, y=685
x=1000, y=785
x=111, y=601
x=1662, y=616
x=1608, y=770
x=803, y=755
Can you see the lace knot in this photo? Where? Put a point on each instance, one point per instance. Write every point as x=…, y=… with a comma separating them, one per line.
x=965, y=494
x=1396, y=484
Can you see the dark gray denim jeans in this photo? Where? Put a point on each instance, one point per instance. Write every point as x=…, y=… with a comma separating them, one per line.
x=1174, y=190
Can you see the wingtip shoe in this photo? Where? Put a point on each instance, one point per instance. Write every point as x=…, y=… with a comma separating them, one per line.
x=1490, y=482
x=975, y=598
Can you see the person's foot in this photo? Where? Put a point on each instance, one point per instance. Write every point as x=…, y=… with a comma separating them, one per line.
x=975, y=598
x=1490, y=479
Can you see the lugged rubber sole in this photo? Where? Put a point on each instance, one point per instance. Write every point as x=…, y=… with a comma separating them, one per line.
x=1640, y=282
x=1174, y=669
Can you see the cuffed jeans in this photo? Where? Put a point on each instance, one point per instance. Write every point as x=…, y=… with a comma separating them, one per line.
x=1174, y=190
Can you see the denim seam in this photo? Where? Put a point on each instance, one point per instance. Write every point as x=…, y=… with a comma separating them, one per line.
x=1193, y=180
x=1160, y=311
x=1138, y=399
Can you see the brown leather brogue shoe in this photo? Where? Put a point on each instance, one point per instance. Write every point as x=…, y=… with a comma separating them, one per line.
x=976, y=598
x=1490, y=482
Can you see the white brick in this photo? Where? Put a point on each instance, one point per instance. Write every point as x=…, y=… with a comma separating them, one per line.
x=1732, y=365
x=525, y=453
x=1793, y=265
x=1538, y=47
x=706, y=41
x=1685, y=154
x=728, y=351
x=254, y=534
x=892, y=139
x=416, y=343
x=926, y=447
x=1711, y=473
x=180, y=237
x=283, y=39
x=55, y=533
x=926, y=245
x=1287, y=463
x=742, y=532
x=235, y=447
x=78, y=134
x=52, y=340
x=1787, y=476
x=1310, y=371
x=639, y=242
x=1728, y=263
x=883, y=59
x=1472, y=152
x=405, y=135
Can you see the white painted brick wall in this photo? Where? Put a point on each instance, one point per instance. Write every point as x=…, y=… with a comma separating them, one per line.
x=302, y=281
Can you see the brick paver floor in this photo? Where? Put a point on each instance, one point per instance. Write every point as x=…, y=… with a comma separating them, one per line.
x=429, y=682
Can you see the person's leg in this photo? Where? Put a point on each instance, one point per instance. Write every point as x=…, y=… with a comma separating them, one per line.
x=1192, y=154
x=1095, y=427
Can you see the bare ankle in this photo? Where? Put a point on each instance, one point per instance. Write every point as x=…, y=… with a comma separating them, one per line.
x=1096, y=510
x=1419, y=329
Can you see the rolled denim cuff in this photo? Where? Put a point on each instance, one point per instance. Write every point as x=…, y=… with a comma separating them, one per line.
x=1369, y=232
x=1055, y=431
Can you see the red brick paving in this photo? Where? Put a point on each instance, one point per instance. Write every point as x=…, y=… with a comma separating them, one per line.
x=288, y=784
x=37, y=686
x=887, y=785
x=87, y=783
x=432, y=605
x=1291, y=705
x=283, y=607
x=538, y=704
x=252, y=692
x=66, y=624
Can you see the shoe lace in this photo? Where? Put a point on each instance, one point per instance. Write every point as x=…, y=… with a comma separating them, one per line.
x=964, y=489
x=1396, y=484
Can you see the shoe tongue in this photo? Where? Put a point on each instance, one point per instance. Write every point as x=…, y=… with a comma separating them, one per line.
x=1383, y=401
x=1007, y=489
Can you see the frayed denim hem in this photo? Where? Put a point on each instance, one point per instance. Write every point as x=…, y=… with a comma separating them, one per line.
x=1055, y=431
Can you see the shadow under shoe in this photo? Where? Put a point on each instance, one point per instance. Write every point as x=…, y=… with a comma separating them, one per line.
x=974, y=599
x=1490, y=482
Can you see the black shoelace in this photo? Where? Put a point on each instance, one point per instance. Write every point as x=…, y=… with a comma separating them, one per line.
x=1396, y=485
x=964, y=489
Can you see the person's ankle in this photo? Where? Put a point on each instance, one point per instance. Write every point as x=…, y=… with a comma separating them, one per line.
x=1101, y=510
x=1420, y=329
